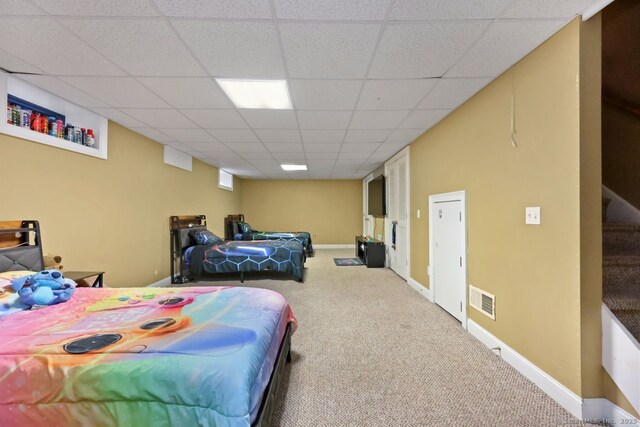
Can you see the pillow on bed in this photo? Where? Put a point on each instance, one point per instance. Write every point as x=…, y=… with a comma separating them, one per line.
x=204, y=237
x=243, y=227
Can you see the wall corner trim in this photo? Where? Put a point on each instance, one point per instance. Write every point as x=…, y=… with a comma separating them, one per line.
x=162, y=283
x=423, y=290
x=591, y=409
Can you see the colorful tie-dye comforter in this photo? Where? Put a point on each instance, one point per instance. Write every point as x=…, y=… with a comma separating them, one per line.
x=300, y=236
x=141, y=357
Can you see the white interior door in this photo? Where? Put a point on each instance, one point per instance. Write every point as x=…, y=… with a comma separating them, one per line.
x=368, y=220
x=398, y=215
x=448, y=246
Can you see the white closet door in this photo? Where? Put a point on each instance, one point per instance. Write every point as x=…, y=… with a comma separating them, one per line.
x=398, y=213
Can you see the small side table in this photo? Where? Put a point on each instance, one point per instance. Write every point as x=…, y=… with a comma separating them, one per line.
x=80, y=275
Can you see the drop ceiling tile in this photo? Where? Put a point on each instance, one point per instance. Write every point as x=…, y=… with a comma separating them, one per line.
x=389, y=148
x=451, y=93
x=322, y=136
x=216, y=119
x=63, y=90
x=323, y=50
x=270, y=119
x=364, y=135
x=13, y=63
x=369, y=10
x=324, y=119
x=249, y=49
x=504, y=44
x=380, y=156
x=360, y=147
x=208, y=147
x=160, y=118
x=243, y=147
x=180, y=92
x=404, y=136
x=216, y=9
x=45, y=33
x=354, y=163
x=253, y=156
x=97, y=7
x=278, y=135
x=377, y=119
x=283, y=147
x=119, y=92
x=324, y=94
x=394, y=94
x=321, y=163
x=423, y=119
x=289, y=158
x=19, y=7
x=119, y=117
x=178, y=146
x=446, y=9
x=141, y=47
x=321, y=148
x=154, y=134
x=234, y=135
x=424, y=49
x=320, y=173
x=360, y=156
x=545, y=8
x=188, y=135
x=322, y=156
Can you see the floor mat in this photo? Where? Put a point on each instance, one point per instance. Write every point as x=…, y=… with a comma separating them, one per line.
x=343, y=262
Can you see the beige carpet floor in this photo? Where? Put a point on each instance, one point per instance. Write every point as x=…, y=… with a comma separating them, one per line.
x=370, y=351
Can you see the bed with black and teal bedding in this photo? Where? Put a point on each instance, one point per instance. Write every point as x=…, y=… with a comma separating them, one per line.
x=237, y=229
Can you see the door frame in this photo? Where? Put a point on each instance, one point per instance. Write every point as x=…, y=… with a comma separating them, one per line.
x=448, y=197
x=365, y=204
x=406, y=151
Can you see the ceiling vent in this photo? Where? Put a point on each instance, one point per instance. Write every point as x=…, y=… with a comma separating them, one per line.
x=482, y=301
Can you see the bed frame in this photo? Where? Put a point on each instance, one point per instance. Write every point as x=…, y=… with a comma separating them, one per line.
x=20, y=246
x=179, y=227
x=231, y=225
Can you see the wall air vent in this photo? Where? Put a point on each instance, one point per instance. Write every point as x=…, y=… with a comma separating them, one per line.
x=482, y=301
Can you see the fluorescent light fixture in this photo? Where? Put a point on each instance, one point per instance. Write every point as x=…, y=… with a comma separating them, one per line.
x=294, y=167
x=269, y=94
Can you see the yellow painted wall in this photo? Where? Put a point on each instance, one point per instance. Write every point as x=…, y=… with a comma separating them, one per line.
x=110, y=215
x=534, y=271
x=331, y=210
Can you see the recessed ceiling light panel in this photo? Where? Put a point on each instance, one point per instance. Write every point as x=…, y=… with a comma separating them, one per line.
x=294, y=167
x=267, y=94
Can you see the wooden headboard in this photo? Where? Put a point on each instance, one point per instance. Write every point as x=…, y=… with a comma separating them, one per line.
x=230, y=227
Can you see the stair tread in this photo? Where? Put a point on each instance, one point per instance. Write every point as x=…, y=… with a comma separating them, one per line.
x=622, y=298
x=631, y=320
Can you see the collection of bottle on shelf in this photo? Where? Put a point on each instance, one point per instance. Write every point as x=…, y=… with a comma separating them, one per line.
x=50, y=125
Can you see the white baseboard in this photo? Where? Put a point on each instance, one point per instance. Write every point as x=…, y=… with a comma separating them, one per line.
x=423, y=290
x=333, y=246
x=583, y=409
x=161, y=283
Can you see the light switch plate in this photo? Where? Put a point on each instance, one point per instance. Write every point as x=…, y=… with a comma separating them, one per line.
x=418, y=213
x=532, y=215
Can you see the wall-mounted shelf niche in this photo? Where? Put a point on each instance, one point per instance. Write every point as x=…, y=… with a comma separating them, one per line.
x=73, y=113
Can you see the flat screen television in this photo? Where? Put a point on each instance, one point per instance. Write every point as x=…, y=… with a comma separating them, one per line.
x=377, y=197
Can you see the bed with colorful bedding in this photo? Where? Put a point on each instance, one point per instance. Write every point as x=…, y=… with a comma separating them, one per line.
x=144, y=357
x=237, y=229
x=191, y=261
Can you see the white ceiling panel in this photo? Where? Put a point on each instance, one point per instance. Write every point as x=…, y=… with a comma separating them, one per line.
x=394, y=94
x=160, y=118
x=257, y=157
x=377, y=119
x=278, y=135
x=208, y=147
x=504, y=44
x=369, y=10
x=365, y=135
x=425, y=49
x=360, y=147
x=311, y=149
x=19, y=7
x=423, y=119
x=119, y=92
x=284, y=147
x=284, y=158
x=389, y=149
x=546, y=8
x=154, y=134
x=450, y=93
x=63, y=90
x=270, y=119
x=324, y=119
x=216, y=9
x=215, y=119
x=324, y=94
x=447, y=9
x=321, y=163
x=119, y=117
x=243, y=147
x=181, y=92
x=45, y=32
x=321, y=50
x=322, y=156
x=249, y=49
x=179, y=146
x=13, y=63
x=97, y=7
x=349, y=163
x=322, y=136
x=404, y=135
x=234, y=135
x=189, y=135
x=360, y=156
x=141, y=47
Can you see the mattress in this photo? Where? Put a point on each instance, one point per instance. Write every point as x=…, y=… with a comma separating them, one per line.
x=142, y=357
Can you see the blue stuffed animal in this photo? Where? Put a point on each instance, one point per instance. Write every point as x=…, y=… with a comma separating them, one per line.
x=47, y=287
